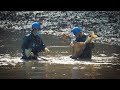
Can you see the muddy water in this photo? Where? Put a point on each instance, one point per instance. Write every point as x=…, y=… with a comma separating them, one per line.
x=105, y=62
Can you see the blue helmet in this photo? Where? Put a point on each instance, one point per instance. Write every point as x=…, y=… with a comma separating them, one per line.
x=36, y=25
x=75, y=30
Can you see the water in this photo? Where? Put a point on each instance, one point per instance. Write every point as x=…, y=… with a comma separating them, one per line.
x=105, y=62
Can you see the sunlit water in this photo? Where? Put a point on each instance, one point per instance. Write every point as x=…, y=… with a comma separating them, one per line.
x=105, y=62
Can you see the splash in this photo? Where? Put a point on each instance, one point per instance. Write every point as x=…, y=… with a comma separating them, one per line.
x=6, y=59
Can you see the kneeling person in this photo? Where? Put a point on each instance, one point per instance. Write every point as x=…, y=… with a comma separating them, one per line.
x=32, y=43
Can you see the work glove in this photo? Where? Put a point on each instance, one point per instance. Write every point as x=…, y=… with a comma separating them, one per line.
x=28, y=52
x=47, y=50
x=72, y=43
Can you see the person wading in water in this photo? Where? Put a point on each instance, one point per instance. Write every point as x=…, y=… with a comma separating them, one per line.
x=32, y=43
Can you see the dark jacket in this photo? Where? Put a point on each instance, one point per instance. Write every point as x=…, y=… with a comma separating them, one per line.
x=33, y=42
x=87, y=53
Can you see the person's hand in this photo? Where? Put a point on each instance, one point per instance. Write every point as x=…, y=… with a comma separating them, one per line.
x=47, y=50
x=92, y=41
x=28, y=52
x=71, y=44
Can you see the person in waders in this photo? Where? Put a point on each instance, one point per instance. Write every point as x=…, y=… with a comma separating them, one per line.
x=32, y=43
x=82, y=45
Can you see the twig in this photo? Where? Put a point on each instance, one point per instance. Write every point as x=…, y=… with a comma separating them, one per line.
x=43, y=58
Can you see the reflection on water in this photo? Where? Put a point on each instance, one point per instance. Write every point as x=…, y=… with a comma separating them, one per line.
x=33, y=70
x=105, y=62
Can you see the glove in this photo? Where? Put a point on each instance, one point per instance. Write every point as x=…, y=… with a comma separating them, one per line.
x=71, y=44
x=28, y=52
x=47, y=50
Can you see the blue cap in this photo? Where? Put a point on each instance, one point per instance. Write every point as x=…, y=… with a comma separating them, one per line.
x=36, y=25
x=75, y=30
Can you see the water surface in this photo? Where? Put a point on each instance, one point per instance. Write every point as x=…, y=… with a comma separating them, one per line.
x=105, y=62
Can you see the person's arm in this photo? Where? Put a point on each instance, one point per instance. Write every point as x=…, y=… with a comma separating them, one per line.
x=43, y=47
x=73, y=41
x=26, y=46
x=25, y=43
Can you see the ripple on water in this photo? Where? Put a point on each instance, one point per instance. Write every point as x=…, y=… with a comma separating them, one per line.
x=59, y=59
x=68, y=60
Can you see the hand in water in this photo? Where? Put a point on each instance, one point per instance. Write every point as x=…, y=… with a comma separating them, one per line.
x=47, y=50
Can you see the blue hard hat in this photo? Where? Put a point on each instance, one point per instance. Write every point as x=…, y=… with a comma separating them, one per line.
x=36, y=25
x=75, y=30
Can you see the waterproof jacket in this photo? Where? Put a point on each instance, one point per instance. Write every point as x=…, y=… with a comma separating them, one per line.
x=33, y=42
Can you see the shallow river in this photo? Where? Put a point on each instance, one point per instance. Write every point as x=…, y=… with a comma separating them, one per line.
x=105, y=62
